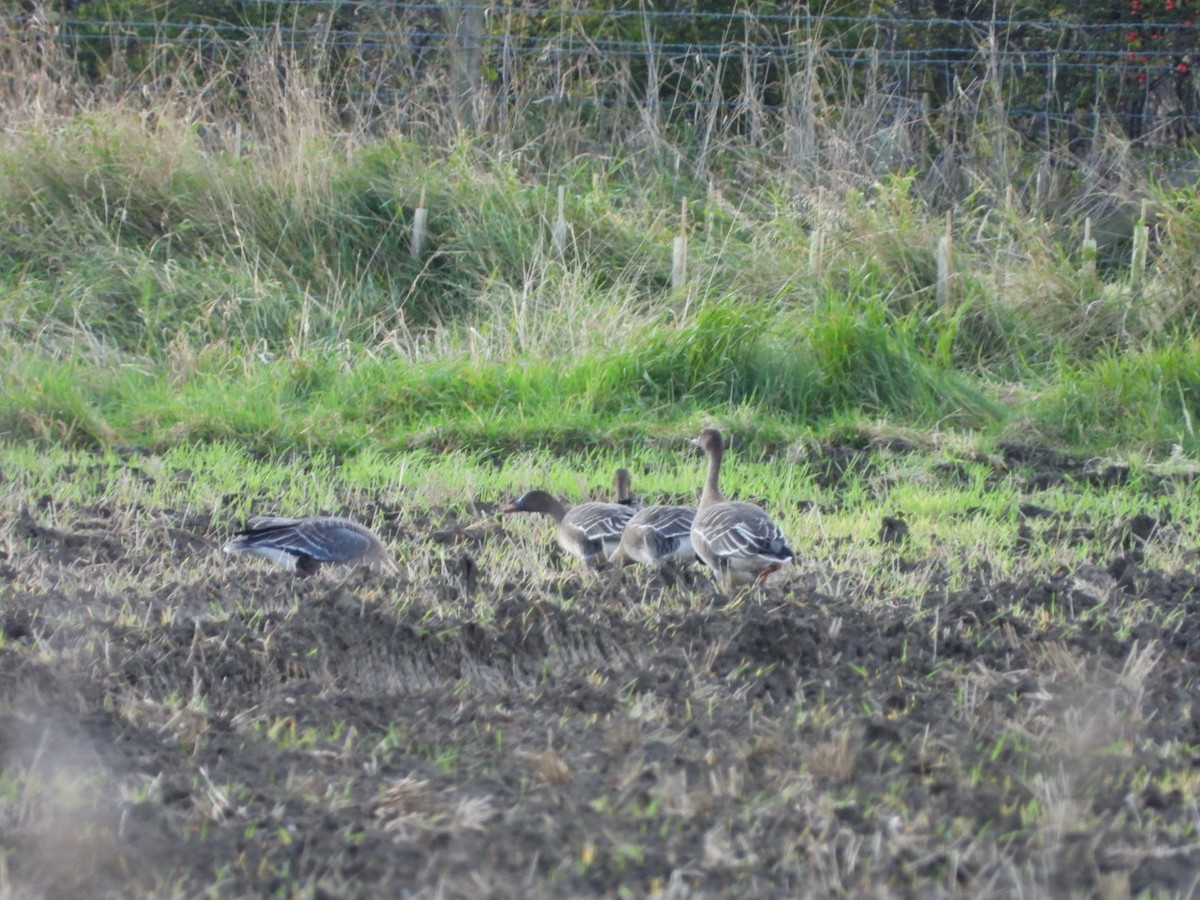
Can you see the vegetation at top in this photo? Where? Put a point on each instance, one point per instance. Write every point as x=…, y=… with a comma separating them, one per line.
x=202, y=244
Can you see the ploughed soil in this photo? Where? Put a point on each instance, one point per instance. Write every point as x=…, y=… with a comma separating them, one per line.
x=174, y=722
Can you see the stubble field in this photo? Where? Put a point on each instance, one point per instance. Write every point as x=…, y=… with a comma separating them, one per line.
x=1000, y=703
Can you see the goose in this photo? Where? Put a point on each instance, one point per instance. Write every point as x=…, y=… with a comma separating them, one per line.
x=657, y=535
x=588, y=531
x=736, y=540
x=304, y=545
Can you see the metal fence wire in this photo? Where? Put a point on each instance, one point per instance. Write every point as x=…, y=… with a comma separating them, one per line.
x=1045, y=72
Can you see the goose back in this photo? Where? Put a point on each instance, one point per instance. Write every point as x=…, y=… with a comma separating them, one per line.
x=656, y=535
x=739, y=542
x=303, y=545
x=592, y=531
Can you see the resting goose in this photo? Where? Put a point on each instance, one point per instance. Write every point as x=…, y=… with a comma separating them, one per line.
x=737, y=541
x=304, y=545
x=589, y=531
x=657, y=535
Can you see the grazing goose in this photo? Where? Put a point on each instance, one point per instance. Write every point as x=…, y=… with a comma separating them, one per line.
x=736, y=540
x=303, y=545
x=589, y=531
x=657, y=535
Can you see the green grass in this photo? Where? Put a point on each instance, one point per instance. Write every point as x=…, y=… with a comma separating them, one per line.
x=730, y=361
x=1132, y=397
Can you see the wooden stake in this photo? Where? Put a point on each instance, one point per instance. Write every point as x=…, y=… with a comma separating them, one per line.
x=816, y=251
x=1141, y=247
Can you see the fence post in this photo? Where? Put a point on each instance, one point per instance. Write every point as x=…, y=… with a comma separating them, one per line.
x=466, y=58
x=816, y=251
x=1141, y=246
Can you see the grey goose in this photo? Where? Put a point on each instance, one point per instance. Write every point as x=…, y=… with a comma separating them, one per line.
x=588, y=531
x=304, y=545
x=736, y=540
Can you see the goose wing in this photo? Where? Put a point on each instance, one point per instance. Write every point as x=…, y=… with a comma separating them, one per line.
x=254, y=523
x=669, y=521
x=323, y=539
x=733, y=530
x=660, y=531
x=592, y=531
x=597, y=521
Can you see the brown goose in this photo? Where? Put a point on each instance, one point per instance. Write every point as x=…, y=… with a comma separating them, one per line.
x=304, y=545
x=657, y=535
x=737, y=541
x=588, y=531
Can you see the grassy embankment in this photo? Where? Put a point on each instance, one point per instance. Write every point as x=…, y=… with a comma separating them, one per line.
x=170, y=274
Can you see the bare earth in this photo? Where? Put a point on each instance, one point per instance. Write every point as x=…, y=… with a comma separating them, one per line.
x=246, y=733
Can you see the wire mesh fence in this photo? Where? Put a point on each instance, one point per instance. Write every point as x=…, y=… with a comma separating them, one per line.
x=1043, y=73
